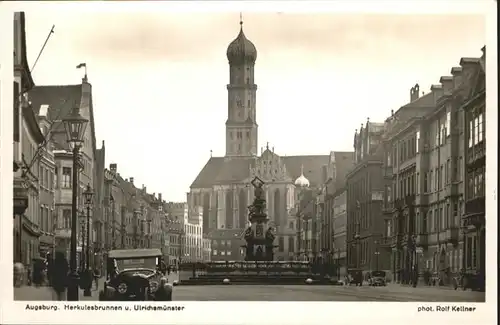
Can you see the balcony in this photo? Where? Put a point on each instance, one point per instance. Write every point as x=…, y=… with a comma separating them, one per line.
x=421, y=240
x=451, y=235
x=475, y=206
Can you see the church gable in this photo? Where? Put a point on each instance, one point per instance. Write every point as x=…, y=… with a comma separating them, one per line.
x=270, y=168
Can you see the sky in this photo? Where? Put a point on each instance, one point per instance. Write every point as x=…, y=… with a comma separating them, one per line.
x=159, y=78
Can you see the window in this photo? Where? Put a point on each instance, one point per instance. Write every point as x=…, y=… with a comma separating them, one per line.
x=40, y=176
x=56, y=178
x=441, y=177
x=291, y=244
x=214, y=252
x=417, y=141
x=431, y=181
x=388, y=228
x=480, y=128
x=222, y=253
x=389, y=194
x=66, y=219
x=447, y=171
x=417, y=184
x=66, y=177
x=448, y=123
x=290, y=225
x=436, y=140
x=471, y=133
x=228, y=253
x=389, y=159
x=430, y=220
x=248, y=134
x=426, y=182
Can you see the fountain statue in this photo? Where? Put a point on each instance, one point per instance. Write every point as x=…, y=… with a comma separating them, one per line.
x=259, y=236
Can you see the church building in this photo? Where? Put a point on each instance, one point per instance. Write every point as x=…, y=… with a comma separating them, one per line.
x=223, y=186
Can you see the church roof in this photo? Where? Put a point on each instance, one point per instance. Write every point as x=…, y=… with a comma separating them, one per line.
x=220, y=170
x=241, y=49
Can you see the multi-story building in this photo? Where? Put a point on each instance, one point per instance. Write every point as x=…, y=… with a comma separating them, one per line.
x=405, y=164
x=474, y=117
x=207, y=249
x=227, y=245
x=365, y=185
x=47, y=187
x=27, y=138
x=175, y=231
x=193, y=234
x=339, y=231
x=333, y=222
x=59, y=102
x=425, y=149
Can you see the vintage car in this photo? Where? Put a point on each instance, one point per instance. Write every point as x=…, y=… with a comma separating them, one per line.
x=355, y=277
x=377, y=278
x=134, y=274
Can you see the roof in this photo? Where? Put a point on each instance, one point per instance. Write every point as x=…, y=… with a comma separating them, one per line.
x=221, y=170
x=28, y=83
x=134, y=253
x=60, y=99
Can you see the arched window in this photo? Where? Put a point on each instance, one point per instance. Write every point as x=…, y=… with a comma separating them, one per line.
x=206, y=212
x=229, y=210
x=277, y=207
x=242, y=209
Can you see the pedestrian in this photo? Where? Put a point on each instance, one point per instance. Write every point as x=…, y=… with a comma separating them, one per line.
x=96, y=276
x=59, y=276
x=37, y=277
x=18, y=274
x=169, y=269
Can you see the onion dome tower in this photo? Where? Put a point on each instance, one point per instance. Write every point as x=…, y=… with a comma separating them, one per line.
x=302, y=181
x=241, y=50
x=241, y=123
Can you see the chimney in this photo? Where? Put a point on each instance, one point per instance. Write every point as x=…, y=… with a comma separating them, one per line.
x=437, y=92
x=456, y=72
x=144, y=189
x=468, y=64
x=132, y=180
x=159, y=197
x=113, y=168
x=447, y=82
x=414, y=93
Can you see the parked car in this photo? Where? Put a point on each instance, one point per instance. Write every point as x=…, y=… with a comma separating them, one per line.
x=134, y=275
x=377, y=278
x=355, y=277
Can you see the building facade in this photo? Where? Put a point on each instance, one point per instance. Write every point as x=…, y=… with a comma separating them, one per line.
x=339, y=231
x=227, y=245
x=175, y=231
x=365, y=185
x=27, y=138
x=46, y=181
x=193, y=234
x=473, y=218
x=426, y=152
x=57, y=102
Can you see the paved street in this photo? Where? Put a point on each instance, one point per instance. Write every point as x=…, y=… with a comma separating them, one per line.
x=392, y=292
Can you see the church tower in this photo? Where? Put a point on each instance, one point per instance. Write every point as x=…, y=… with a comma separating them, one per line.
x=241, y=124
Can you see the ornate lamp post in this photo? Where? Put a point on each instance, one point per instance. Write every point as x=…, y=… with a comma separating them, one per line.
x=75, y=126
x=82, y=253
x=88, y=196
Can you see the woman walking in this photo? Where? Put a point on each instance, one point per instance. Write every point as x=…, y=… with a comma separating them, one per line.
x=59, y=276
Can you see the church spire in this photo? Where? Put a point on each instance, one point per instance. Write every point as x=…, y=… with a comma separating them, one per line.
x=241, y=20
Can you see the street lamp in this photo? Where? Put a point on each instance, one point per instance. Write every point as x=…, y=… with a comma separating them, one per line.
x=82, y=253
x=88, y=196
x=75, y=126
x=377, y=254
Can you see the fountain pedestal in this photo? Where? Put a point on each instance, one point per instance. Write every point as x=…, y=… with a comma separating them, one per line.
x=259, y=236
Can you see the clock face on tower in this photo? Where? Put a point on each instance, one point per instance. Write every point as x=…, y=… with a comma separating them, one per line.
x=238, y=101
